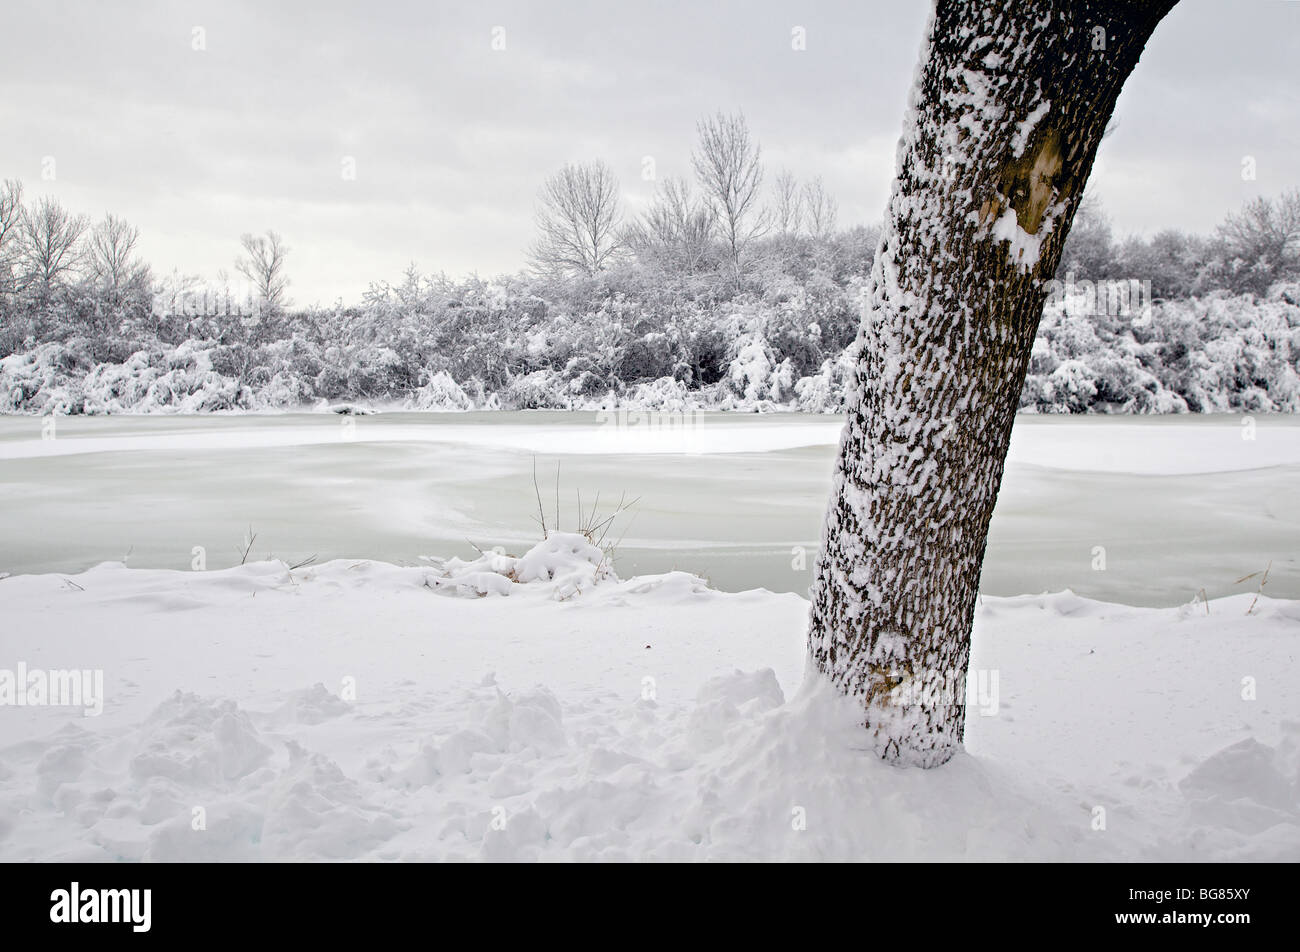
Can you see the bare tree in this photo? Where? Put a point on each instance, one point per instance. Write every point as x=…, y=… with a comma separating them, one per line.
x=1262, y=241
x=788, y=207
x=578, y=220
x=11, y=215
x=1008, y=108
x=11, y=222
x=821, y=209
x=263, y=264
x=676, y=231
x=1090, y=251
x=728, y=165
x=51, y=242
x=111, y=256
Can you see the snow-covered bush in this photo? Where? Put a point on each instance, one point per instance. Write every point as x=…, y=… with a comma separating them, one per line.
x=1221, y=353
x=665, y=394
x=826, y=390
x=440, y=393
x=627, y=338
x=563, y=565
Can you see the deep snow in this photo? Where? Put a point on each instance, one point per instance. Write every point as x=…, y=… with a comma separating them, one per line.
x=569, y=714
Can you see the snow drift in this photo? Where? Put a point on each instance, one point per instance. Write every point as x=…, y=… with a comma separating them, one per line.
x=353, y=710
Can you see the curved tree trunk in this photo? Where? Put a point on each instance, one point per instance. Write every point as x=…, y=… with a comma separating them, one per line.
x=1009, y=105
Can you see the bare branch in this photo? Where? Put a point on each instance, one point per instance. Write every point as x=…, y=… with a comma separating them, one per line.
x=729, y=168
x=578, y=219
x=51, y=242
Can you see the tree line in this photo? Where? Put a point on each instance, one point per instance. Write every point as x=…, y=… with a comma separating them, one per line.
x=711, y=265
x=62, y=274
x=1252, y=249
x=714, y=225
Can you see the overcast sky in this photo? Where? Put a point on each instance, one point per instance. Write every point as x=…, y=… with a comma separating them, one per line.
x=451, y=138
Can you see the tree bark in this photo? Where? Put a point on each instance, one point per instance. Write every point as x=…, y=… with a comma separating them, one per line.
x=1009, y=105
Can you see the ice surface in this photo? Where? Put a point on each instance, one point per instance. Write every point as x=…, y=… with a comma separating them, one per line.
x=1178, y=503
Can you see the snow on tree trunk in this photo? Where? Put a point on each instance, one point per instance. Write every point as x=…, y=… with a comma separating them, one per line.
x=1008, y=106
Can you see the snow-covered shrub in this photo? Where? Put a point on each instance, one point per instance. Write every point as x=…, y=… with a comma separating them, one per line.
x=755, y=374
x=664, y=394
x=539, y=390
x=825, y=391
x=637, y=338
x=562, y=565
x=440, y=393
x=1220, y=353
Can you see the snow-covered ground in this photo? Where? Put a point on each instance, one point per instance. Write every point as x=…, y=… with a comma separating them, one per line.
x=358, y=710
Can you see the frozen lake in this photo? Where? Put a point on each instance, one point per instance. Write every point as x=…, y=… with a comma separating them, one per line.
x=1177, y=503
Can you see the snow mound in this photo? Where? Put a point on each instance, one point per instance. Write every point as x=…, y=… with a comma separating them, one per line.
x=313, y=706
x=564, y=564
x=195, y=741
x=316, y=812
x=1248, y=787
x=797, y=781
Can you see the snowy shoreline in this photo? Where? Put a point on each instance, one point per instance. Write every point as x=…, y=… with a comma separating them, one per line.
x=358, y=710
x=1220, y=353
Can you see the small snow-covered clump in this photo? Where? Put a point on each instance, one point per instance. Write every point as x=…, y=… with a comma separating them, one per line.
x=442, y=394
x=824, y=391
x=666, y=394
x=563, y=565
x=756, y=375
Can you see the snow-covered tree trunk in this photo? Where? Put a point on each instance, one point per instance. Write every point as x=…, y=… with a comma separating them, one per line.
x=1009, y=104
